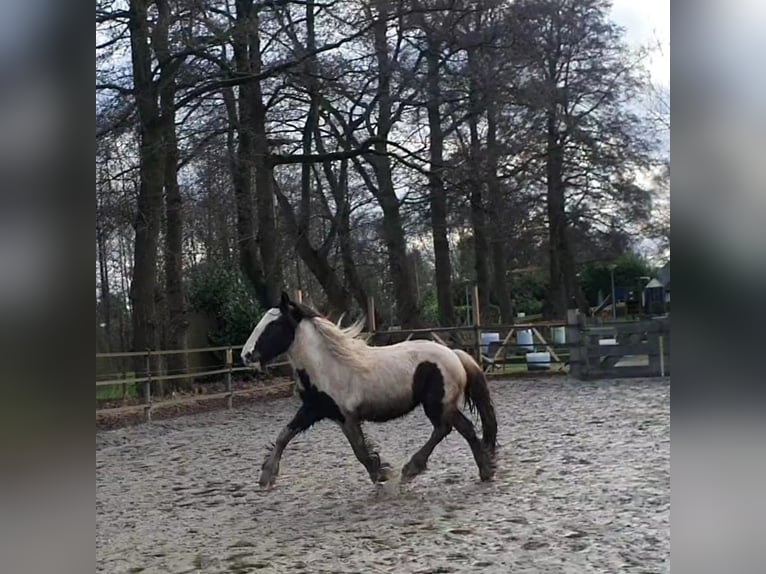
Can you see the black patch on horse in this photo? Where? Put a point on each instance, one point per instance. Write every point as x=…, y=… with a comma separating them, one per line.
x=428, y=390
x=380, y=413
x=275, y=339
x=280, y=333
x=319, y=403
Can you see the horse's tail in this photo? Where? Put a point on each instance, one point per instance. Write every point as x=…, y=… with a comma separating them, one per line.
x=477, y=397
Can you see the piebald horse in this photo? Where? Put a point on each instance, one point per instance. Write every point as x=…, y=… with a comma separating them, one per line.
x=345, y=380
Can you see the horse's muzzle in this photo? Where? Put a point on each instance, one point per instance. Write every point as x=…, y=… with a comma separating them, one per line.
x=252, y=359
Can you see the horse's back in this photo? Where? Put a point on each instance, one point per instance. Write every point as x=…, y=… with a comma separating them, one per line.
x=405, y=358
x=421, y=350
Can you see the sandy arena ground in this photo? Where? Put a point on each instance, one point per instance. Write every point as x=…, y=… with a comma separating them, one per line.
x=583, y=485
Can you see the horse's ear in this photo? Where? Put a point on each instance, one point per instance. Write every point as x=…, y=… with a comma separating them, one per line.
x=284, y=302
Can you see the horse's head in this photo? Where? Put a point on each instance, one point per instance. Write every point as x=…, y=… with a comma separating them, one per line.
x=274, y=333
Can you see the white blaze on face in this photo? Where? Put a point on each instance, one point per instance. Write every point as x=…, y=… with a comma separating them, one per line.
x=270, y=315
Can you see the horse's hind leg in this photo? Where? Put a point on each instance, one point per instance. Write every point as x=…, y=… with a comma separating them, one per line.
x=480, y=454
x=378, y=470
x=428, y=389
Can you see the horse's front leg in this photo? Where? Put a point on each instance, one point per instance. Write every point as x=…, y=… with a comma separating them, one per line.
x=379, y=471
x=302, y=420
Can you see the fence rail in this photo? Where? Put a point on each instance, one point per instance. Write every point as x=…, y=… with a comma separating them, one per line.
x=588, y=350
x=150, y=406
x=168, y=352
x=185, y=375
x=149, y=403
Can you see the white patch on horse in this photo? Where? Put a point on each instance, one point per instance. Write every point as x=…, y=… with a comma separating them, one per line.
x=270, y=315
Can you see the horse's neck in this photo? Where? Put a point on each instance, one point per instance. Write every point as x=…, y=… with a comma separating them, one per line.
x=308, y=353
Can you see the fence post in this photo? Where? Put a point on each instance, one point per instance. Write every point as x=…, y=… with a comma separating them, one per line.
x=124, y=387
x=575, y=338
x=477, y=322
x=229, y=365
x=371, y=315
x=148, y=385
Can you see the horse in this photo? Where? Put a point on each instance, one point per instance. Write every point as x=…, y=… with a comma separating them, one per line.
x=349, y=382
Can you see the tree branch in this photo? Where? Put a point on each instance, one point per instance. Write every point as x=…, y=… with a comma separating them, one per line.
x=322, y=157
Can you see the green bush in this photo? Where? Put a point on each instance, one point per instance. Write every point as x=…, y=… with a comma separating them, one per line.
x=529, y=292
x=225, y=295
x=429, y=308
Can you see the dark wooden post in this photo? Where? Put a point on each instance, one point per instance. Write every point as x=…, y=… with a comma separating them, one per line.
x=148, y=385
x=578, y=350
x=229, y=366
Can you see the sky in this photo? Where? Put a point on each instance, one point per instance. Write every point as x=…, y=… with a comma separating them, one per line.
x=646, y=22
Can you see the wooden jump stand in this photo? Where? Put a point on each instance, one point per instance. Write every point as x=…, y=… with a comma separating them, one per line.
x=474, y=342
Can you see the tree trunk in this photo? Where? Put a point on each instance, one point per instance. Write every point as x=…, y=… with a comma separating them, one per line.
x=317, y=262
x=437, y=195
x=149, y=202
x=264, y=176
x=564, y=290
x=103, y=269
x=350, y=272
x=393, y=231
x=300, y=227
x=339, y=189
x=497, y=229
x=124, y=274
x=478, y=221
x=242, y=162
x=177, y=321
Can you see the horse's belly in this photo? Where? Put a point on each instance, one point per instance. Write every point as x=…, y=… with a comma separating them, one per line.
x=381, y=411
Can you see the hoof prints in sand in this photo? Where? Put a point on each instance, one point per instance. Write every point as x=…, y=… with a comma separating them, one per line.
x=583, y=485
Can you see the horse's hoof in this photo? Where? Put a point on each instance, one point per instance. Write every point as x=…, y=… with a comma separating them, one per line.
x=487, y=474
x=267, y=480
x=267, y=484
x=410, y=471
x=384, y=474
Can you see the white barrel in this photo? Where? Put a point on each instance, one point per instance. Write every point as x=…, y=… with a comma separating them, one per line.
x=524, y=339
x=559, y=335
x=538, y=361
x=486, y=339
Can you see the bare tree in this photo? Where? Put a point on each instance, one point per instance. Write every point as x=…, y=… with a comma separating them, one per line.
x=579, y=77
x=151, y=174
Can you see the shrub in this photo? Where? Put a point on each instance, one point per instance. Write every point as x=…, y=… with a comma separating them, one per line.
x=225, y=295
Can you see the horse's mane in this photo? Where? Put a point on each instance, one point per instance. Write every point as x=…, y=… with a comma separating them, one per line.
x=343, y=343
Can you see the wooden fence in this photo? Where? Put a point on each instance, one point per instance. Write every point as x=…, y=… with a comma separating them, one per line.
x=620, y=349
x=504, y=356
x=588, y=351
x=226, y=371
